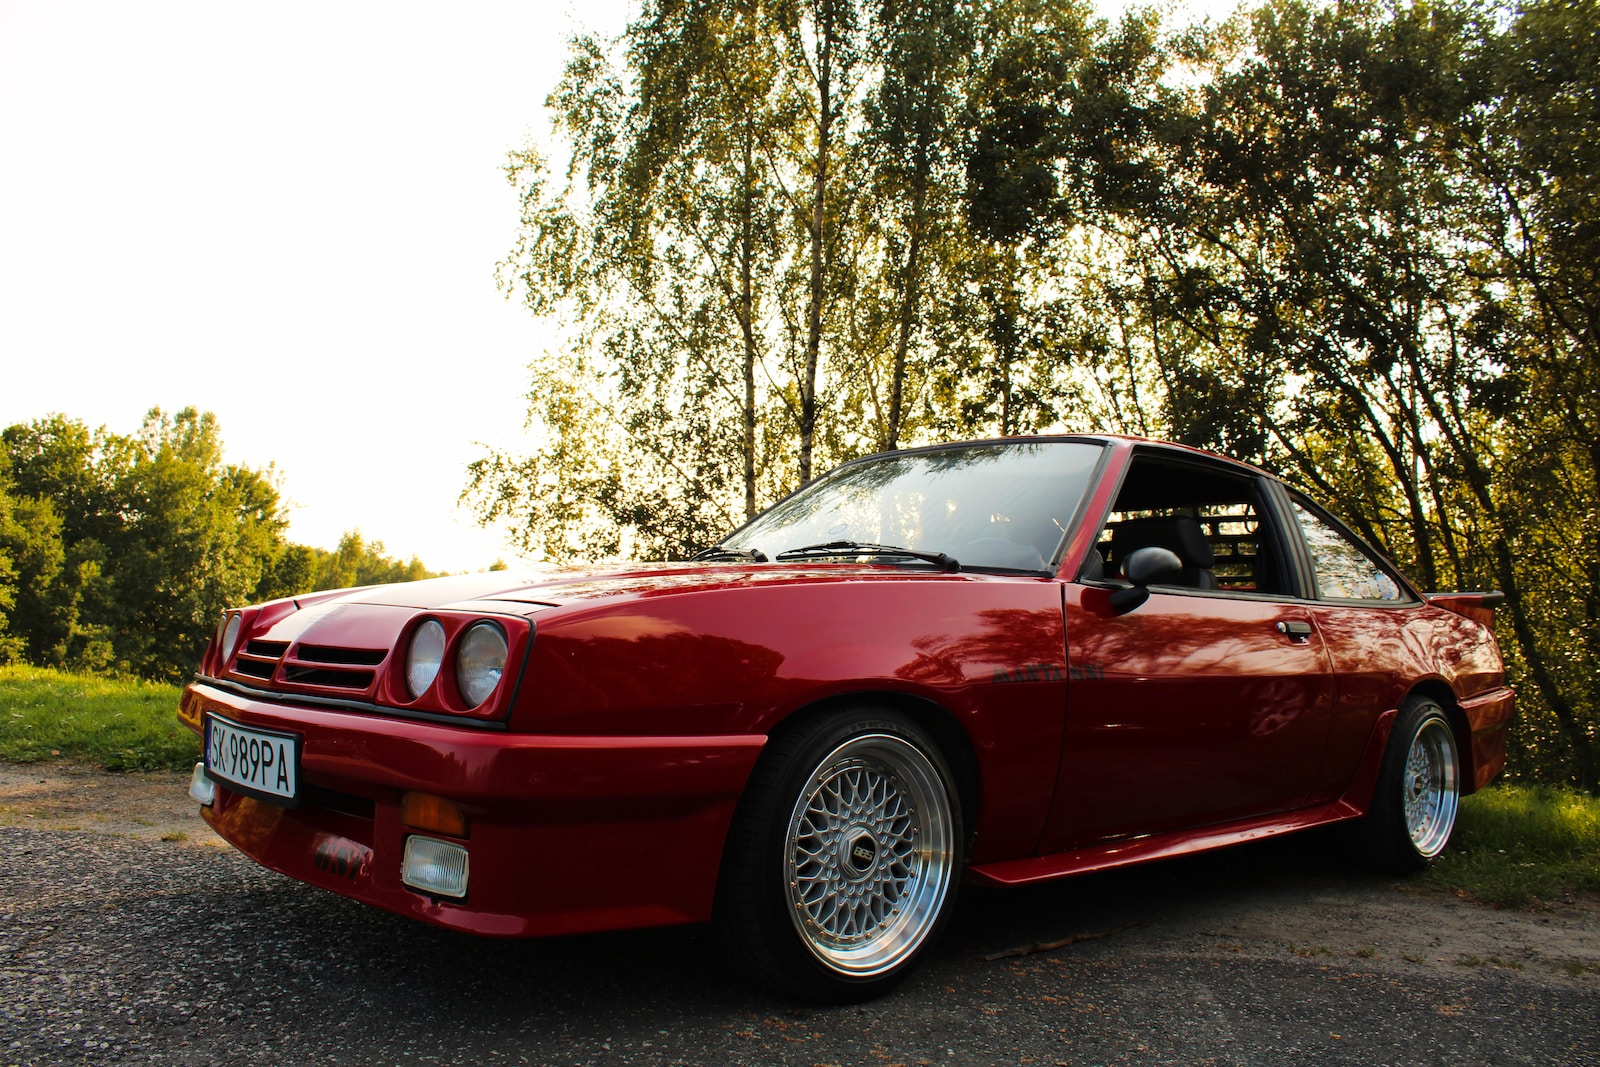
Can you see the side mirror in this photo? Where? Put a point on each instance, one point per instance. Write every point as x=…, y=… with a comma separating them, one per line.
x=1145, y=567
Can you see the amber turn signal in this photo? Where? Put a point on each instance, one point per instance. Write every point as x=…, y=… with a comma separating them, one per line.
x=424, y=811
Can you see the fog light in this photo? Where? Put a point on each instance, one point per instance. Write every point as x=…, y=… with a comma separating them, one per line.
x=436, y=867
x=201, y=787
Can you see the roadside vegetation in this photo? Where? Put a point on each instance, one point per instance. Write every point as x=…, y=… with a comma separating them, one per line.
x=119, y=724
x=1517, y=846
x=118, y=551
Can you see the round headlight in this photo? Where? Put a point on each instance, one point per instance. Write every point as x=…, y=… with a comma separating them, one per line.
x=480, y=661
x=230, y=637
x=424, y=657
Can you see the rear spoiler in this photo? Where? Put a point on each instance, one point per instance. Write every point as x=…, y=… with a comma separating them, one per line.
x=1479, y=607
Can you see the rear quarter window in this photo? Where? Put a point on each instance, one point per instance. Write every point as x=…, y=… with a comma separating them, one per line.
x=1344, y=570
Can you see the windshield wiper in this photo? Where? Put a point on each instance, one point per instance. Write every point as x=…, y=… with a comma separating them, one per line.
x=724, y=554
x=857, y=548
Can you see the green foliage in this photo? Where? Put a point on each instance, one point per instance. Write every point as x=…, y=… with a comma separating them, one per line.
x=358, y=561
x=126, y=548
x=30, y=542
x=63, y=475
x=119, y=724
x=760, y=258
x=1517, y=846
x=198, y=536
x=11, y=646
x=118, y=553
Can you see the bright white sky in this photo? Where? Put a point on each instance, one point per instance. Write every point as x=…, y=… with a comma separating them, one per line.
x=287, y=214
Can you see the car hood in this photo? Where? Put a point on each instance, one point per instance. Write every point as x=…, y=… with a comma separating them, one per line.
x=375, y=617
x=527, y=592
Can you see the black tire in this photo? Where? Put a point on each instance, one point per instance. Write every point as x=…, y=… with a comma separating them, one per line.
x=843, y=858
x=1419, y=788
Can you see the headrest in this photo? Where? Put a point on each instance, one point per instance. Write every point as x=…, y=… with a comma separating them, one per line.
x=1177, y=533
x=1193, y=548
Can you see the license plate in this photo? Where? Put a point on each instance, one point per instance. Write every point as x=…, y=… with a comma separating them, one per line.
x=257, y=763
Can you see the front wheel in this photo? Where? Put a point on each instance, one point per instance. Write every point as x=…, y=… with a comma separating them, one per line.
x=1414, y=809
x=842, y=862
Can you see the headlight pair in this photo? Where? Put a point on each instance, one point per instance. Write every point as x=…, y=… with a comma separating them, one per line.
x=480, y=659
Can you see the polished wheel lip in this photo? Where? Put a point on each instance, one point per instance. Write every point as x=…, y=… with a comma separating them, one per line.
x=863, y=917
x=1430, y=791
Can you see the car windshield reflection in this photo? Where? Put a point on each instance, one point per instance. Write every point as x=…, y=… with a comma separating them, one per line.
x=999, y=506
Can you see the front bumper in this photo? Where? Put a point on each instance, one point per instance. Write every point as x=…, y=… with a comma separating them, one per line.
x=565, y=834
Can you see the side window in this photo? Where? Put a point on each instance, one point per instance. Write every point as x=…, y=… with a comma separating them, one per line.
x=1344, y=571
x=1208, y=516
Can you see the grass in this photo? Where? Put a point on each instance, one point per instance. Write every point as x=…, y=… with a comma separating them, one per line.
x=1517, y=846
x=118, y=724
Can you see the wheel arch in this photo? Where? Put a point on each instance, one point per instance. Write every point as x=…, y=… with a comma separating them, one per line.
x=1436, y=690
x=955, y=745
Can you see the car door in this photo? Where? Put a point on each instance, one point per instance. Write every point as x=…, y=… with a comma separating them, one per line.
x=1203, y=705
x=1374, y=628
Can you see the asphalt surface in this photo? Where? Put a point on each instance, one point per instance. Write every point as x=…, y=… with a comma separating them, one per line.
x=118, y=950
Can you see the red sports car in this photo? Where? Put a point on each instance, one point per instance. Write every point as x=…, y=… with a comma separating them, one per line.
x=1001, y=661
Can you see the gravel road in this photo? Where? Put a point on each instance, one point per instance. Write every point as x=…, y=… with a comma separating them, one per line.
x=117, y=946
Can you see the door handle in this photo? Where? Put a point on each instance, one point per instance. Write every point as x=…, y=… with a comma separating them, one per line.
x=1295, y=628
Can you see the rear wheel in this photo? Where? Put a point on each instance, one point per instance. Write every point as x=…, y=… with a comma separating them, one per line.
x=842, y=863
x=1414, y=808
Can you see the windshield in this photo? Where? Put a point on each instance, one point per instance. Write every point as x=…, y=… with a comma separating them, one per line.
x=999, y=506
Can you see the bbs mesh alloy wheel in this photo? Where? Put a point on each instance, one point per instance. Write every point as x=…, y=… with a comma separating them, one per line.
x=843, y=861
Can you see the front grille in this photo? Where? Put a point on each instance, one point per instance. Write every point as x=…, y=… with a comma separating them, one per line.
x=363, y=657
x=333, y=666
x=259, y=659
x=254, y=668
x=323, y=666
x=327, y=676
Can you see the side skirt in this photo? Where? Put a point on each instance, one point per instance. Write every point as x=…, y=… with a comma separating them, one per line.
x=1126, y=851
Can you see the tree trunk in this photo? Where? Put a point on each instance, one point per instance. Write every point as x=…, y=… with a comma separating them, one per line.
x=819, y=276
x=747, y=322
x=910, y=287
